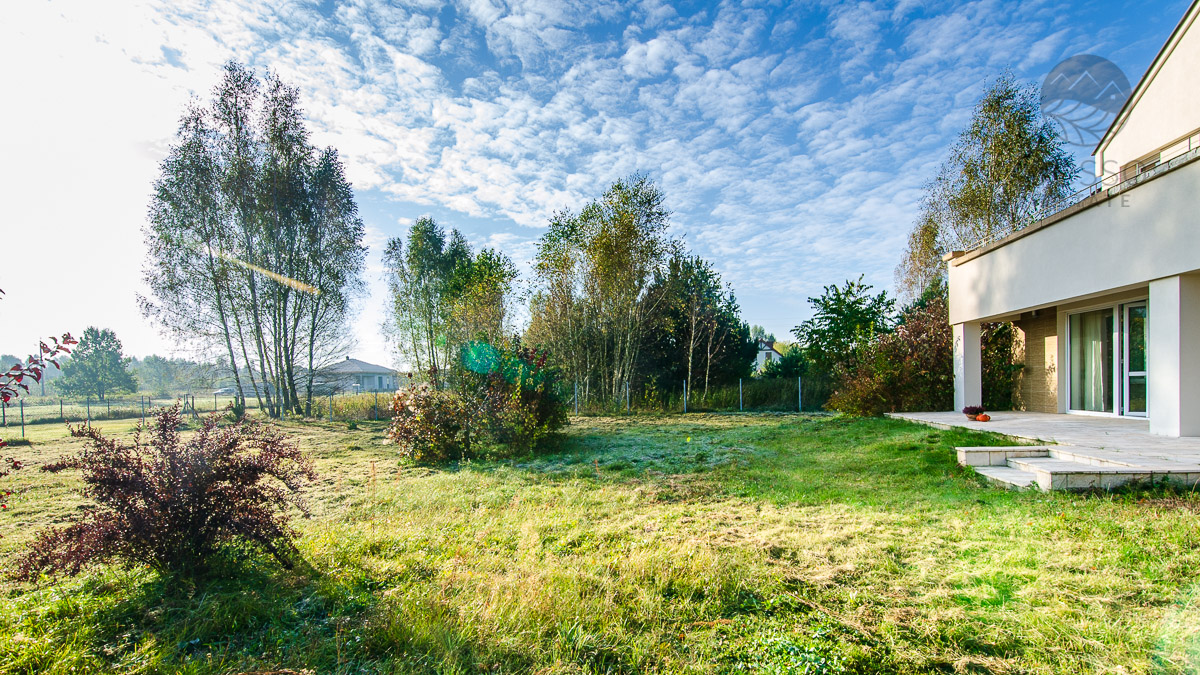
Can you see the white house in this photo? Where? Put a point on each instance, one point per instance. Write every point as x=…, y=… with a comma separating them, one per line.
x=766, y=354
x=1106, y=292
x=356, y=375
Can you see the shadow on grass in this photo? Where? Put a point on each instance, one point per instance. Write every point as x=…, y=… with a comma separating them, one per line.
x=243, y=614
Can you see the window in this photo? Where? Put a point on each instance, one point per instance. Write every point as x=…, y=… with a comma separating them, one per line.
x=1148, y=164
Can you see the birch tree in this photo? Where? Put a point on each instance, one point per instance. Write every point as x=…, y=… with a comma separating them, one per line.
x=444, y=295
x=594, y=268
x=255, y=244
x=1005, y=170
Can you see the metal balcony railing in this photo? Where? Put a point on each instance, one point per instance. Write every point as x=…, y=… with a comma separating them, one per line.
x=1112, y=183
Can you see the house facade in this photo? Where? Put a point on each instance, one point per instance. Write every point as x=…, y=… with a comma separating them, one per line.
x=1106, y=292
x=766, y=354
x=359, y=376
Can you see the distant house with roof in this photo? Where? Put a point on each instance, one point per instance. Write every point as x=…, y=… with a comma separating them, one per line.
x=356, y=375
x=767, y=352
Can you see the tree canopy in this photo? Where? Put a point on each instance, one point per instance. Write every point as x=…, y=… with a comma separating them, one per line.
x=843, y=317
x=1006, y=168
x=443, y=295
x=254, y=240
x=593, y=271
x=620, y=303
x=97, y=367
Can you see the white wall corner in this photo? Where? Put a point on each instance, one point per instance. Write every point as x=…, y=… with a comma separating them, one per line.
x=968, y=365
x=1173, y=356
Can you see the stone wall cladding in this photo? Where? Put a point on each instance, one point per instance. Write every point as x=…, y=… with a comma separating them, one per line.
x=1037, y=382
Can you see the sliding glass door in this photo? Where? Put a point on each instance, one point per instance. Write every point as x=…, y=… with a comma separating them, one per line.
x=1107, y=359
x=1091, y=342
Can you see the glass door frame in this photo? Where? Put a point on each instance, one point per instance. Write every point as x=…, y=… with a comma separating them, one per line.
x=1120, y=357
x=1125, y=360
x=1116, y=370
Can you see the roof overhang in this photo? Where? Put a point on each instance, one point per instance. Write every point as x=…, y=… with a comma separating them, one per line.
x=1189, y=17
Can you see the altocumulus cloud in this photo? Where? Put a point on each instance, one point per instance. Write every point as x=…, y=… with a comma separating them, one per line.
x=792, y=139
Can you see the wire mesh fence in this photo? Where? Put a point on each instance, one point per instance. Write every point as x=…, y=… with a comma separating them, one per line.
x=748, y=395
x=35, y=410
x=47, y=410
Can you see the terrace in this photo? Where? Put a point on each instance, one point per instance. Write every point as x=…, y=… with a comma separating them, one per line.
x=1072, y=452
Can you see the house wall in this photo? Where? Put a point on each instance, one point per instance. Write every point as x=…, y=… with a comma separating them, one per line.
x=1037, y=383
x=1165, y=110
x=1173, y=356
x=1149, y=232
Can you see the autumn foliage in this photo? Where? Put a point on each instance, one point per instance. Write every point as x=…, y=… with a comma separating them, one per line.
x=171, y=504
x=907, y=369
x=429, y=424
x=498, y=400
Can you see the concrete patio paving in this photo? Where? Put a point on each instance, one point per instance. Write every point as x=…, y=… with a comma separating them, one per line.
x=1076, y=451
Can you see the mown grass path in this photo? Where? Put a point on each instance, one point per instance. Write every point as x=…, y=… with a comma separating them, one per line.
x=674, y=544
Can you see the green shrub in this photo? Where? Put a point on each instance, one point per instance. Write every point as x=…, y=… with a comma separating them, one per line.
x=237, y=409
x=518, y=398
x=502, y=400
x=429, y=424
x=998, y=366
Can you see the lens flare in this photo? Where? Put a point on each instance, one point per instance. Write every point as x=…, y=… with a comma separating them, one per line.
x=286, y=281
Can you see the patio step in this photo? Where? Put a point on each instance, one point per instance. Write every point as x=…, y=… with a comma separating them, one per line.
x=1006, y=476
x=1058, y=467
x=998, y=455
x=1063, y=474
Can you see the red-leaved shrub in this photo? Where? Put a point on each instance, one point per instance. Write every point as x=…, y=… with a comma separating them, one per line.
x=908, y=369
x=16, y=380
x=170, y=503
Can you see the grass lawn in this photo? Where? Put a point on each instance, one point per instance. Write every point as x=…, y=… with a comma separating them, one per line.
x=697, y=543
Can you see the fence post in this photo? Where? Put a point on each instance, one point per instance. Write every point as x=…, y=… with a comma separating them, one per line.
x=22, y=418
x=740, y=407
x=88, y=403
x=376, y=406
x=331, y=407
x=577, y=398
x=108, y=402
x=685, y=393
x=60, y=415
x=799, y=397
x=142, y=405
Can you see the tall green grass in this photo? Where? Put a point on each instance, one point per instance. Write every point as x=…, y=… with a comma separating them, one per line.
x=706, y=543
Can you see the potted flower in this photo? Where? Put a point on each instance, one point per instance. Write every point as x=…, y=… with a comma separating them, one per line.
x=973, y=411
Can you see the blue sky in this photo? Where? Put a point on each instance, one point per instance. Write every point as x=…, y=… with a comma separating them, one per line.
x=792, y=139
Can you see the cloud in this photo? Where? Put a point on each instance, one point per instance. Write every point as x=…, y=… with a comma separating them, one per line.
x=792, y=140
